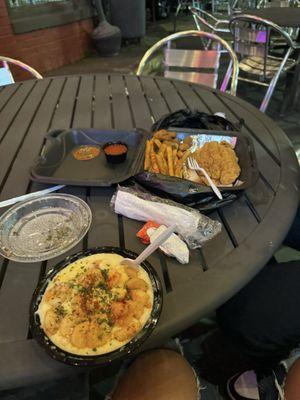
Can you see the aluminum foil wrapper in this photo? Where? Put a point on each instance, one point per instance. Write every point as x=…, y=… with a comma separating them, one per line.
x=192, y=226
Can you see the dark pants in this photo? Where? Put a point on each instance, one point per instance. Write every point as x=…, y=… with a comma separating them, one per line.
x=263, y=320
x=293, y=237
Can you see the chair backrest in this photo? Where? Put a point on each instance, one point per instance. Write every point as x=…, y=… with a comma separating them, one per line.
x=6, y=76
x=252, y=37
x=251, y=41
x=199, y=65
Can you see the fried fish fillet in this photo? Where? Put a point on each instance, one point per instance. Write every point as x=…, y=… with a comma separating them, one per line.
x=220, y=162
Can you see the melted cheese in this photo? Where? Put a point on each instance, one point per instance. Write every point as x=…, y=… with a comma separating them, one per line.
x=105, y=261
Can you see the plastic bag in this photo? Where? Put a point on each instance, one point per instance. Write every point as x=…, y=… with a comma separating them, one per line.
x=193, y=227
x=196, y=120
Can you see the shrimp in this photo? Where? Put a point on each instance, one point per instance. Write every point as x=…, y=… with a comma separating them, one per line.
x=140, y=297
x=119, y=309
x=79, y=335
x=135, y=308
x=93, y=277
x=125, y=320
x=119, y=293
x=114, y=279
x=136, y=283
x=51, y=322
x=92, y=305
x=57, y=293
x=127, y=332
x=78, y=306
x=67, y=326
x=130, y=272
x=97, y=335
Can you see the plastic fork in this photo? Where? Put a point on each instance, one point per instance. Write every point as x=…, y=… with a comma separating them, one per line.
x=151, y=248
x=193, y=164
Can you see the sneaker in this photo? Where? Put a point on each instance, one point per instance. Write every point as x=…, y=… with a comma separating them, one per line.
x=250, y=385
x=243, y=386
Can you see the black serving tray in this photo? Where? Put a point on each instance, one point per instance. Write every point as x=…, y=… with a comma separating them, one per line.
x=184, y=189
x=57, y=164
x=88, y=361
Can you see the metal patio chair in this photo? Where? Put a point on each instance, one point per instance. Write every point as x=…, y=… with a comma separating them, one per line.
x=220, y=7
x=6, y=76
x=253, y=44
x=184, y=4
x=238, y=6
x=195, y=57
x=205, y=20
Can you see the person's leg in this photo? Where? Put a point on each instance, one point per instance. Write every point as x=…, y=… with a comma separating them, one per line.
x=292, y=383
x=262, y=320
x=158, y=375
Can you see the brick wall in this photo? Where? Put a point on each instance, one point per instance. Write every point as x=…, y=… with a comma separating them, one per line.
x=44, y=49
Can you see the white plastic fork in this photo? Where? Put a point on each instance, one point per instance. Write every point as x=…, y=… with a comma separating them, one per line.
x=193, y=164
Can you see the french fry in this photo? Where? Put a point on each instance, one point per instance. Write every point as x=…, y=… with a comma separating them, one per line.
x=175, y=158
x=185, y=156
x=170, y=161
x=161, y=134
x=174, y=145
x=179, y=153
x=175, y=162
x=164, y=135
x=155, y=167
x=157, y=143
x=172, y=134
x=178, y=169
x=161, y=162
x=165, y=164
x=147, y=163
x=184, y=147
x=162, y=149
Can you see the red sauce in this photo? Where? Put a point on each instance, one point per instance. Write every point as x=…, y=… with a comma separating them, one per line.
x=115, y=149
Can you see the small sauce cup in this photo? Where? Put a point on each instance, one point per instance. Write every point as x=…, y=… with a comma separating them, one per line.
x=115, y=152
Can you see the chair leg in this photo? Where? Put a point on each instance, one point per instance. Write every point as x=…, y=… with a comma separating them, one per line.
x=226, y=78
x=273, y=83
x=176, y=15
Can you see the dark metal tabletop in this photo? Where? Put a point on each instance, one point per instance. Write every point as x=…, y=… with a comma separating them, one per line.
x=286, y=17
x=253, y=226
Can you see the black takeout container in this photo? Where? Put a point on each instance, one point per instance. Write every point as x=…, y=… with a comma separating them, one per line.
x=57, y=165
x=184, y=189
x=85, y=361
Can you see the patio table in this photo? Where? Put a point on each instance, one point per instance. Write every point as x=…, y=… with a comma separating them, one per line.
x=252, y=227
x=286, y=17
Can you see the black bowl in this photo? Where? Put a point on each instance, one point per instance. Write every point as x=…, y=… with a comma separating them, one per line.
x=82, y=361
x=118, y=158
